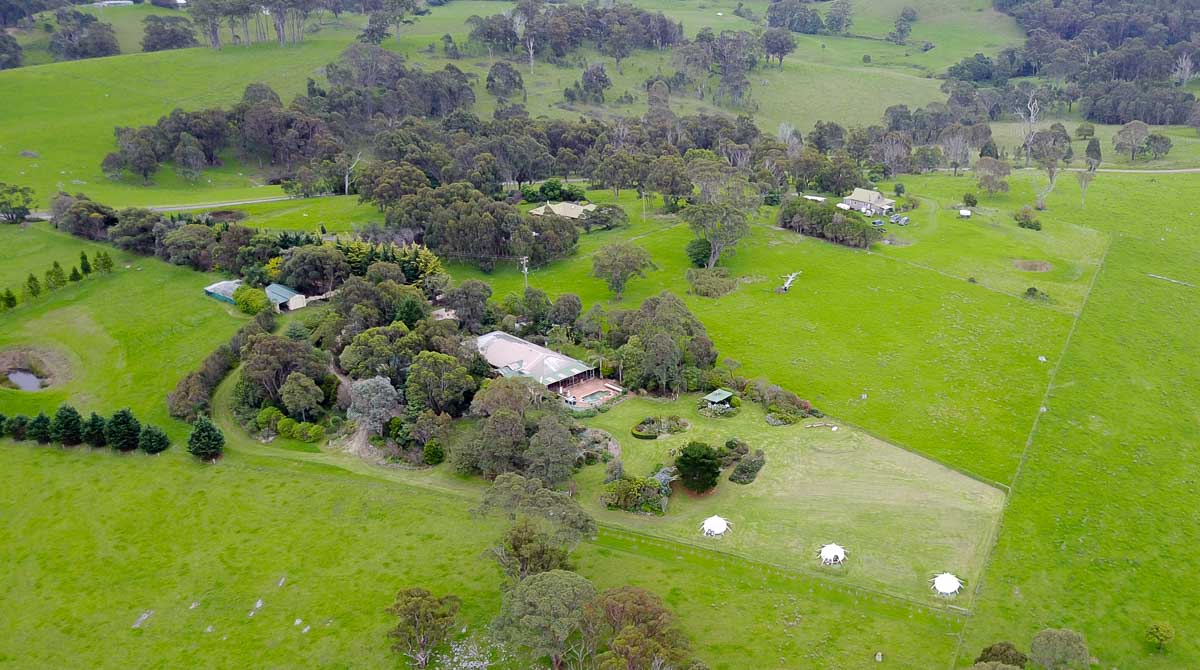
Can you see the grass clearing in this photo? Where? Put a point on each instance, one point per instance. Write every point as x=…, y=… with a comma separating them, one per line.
x=119, y=332
x=949, y=369
x=1097, y=536
x=902, y=517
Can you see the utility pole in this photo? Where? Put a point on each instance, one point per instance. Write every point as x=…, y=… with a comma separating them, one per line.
x=525, y=269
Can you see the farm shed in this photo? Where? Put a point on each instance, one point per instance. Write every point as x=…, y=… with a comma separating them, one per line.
x=567, y=210
x=284, y=298
x=512, y=356
x=223, y=290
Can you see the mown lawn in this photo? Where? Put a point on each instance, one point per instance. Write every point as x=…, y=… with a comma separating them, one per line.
x=901, y=516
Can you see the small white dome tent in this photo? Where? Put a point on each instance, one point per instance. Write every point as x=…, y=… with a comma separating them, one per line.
x=714, y=526
x=832, y=554
x=946, y=584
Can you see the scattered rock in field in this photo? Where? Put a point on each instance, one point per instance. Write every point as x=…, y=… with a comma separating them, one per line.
x=306, y=629
x=258, y=604
x=30, y=154
x=862, y=397
x=298, y=622
x=142, y=619
x=194, y=605
x=208, y=630
x=281, y=581
x=1041, y=359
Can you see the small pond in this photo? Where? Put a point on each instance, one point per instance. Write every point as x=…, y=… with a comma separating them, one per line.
x=25, y=380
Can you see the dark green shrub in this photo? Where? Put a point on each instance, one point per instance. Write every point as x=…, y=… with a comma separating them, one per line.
x=39, y=428
x=1027, y=218
x=153, y=440
x=698, y=251
x=699, y=466
x=747, y=468
x=433, y=453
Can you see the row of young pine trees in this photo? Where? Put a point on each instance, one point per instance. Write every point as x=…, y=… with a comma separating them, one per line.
x=56, y=278
x=122, y=432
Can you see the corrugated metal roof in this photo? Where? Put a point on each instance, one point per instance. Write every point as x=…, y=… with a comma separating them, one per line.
x=515, y=357
x=718, y=395
x=279, y=294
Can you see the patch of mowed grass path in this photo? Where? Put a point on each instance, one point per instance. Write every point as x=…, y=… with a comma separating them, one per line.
x=128, y=336
x=919, y=356
x=901, y=516
x=1099, y=535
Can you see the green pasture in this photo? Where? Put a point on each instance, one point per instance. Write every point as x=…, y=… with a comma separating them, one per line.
x=339, y=214
x=948, y=368
x=1098, y=535
x=341, y=534
x=117, y=340
x=93, y=540
x=126, y=22
x=901, y=516
x=895, y=338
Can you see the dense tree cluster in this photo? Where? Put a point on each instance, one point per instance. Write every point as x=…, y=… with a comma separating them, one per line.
x=523, y=429
x=1120, y=60
x=823, y=220
x=11, y=54
x=552, y=31
x=191, y=397
x=249, y=21
x=79, y=35
x=167, y=32
x=67, y=427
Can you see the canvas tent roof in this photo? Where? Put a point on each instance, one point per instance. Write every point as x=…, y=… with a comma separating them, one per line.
x=714, y=525
x=279, y=294
x=832, y=554
x=719, y=395
x=569, y=210
x=946, y=584
x=224, y=289
x=514, y=357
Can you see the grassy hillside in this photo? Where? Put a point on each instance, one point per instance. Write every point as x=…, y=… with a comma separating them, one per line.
x=126, y=22
x=825, y=79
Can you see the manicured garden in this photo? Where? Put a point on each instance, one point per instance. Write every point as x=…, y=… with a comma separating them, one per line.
x=900, y=515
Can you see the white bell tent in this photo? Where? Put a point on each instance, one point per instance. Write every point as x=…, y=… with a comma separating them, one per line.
x=714, y=526
x=832, y=554
x=946, y=584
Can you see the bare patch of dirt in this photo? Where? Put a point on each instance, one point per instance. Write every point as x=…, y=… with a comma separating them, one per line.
x=1033, y=266
x=893, y=241
x=49, y=365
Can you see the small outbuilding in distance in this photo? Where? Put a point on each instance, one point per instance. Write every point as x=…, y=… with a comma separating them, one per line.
x=719, y=398
x=284, y=298
x=223, y=290
x=964, y=213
